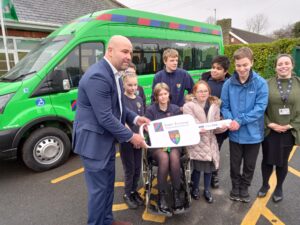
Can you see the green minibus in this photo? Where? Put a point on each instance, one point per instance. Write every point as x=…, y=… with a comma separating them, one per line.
x=38, y=96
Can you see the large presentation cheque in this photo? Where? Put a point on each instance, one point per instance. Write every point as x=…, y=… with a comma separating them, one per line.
x=178, y=131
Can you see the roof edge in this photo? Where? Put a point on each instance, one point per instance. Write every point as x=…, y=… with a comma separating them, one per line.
x=31, y=25
x=237, y=37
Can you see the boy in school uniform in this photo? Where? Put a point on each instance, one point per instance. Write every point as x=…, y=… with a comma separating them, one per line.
x=177, y=79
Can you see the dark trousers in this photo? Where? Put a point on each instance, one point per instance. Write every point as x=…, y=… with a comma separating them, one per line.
x=100, y=178
x=195, y=178
x=246, y=154
x=131, y=160
x=221, y=138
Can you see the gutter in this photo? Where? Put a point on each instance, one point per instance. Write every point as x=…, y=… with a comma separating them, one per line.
x=31, y=25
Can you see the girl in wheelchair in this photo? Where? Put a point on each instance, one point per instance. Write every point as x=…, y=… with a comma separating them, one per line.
x=168, y=159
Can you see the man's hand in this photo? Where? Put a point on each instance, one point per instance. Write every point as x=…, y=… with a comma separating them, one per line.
x=138, y=141
x=141, y=120
x=234, y=126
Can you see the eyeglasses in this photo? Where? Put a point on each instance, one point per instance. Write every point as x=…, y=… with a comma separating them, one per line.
x=202, y=92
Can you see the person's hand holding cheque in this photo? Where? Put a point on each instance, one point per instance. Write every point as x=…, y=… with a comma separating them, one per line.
x=141, y=120
x=202, y=131
x=234, y=125
x=137, y=140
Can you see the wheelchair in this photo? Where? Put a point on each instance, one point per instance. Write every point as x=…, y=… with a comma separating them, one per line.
x=149, y=174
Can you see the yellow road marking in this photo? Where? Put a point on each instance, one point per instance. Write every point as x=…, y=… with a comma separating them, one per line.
x=119, y=207
x=291, y=169
x=292, y=152
x=148, y=216
x=153, y=218
x=119, y=184
x=71, y=174
x=68, y=175
x=271, y=217
x=259, y=206
x=294, y=171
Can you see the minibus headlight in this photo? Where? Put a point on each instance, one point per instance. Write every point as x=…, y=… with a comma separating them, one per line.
x=4, y=100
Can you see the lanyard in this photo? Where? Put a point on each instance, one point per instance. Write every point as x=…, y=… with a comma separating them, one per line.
x=284, y=96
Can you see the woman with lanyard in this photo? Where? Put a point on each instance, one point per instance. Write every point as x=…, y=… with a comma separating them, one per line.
x=282, y=124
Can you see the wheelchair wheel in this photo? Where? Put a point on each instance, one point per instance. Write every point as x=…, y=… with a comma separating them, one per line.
x=146, y=177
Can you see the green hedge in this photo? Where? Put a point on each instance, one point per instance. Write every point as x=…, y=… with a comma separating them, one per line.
x=264, y=54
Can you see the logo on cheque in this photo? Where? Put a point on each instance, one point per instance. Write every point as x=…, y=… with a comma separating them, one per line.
x=174, y=136
x=158, y=127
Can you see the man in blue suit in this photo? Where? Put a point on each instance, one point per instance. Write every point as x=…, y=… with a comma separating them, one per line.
x=99, y=125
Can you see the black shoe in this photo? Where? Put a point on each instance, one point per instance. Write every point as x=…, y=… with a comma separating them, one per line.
x=263, y=191
x=130, y=202
x=215, y=180
x=234, y=195
x=277, y=195
x=195, y=194
x=244, y=195
x=162, y=204
x=178, y=204
x=137, y=198
x=207, y=196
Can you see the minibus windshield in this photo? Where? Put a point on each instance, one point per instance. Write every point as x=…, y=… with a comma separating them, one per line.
x=36, y=59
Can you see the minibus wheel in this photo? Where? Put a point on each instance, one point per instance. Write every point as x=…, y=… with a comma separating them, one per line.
x=46, y=148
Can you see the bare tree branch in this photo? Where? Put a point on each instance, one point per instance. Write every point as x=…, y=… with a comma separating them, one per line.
x=257, y=23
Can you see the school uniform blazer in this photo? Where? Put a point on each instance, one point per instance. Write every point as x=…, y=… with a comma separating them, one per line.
x=98, y=126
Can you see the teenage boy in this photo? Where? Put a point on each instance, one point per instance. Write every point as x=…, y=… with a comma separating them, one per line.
x=177, y=79
x=244, y=100
x=215, y=78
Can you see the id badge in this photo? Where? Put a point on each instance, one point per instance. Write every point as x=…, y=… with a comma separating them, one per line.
x=284, y=111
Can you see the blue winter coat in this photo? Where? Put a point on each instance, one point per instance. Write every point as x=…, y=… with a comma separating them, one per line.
x=246, y=104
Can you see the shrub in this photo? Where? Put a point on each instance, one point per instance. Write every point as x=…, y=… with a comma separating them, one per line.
x=264, y=54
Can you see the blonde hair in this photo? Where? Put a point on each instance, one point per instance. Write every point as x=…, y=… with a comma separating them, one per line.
x=170, y=52
x=158, y=88
x=127, y=75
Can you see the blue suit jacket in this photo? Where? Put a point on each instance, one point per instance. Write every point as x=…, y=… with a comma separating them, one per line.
x=98, y=126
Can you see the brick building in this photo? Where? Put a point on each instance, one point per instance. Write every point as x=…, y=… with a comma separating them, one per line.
x=237, y=36
x=38, y=18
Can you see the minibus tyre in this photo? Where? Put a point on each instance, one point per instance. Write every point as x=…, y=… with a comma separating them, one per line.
x=46, y=148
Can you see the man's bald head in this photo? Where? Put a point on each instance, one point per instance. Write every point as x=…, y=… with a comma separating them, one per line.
x=119, y=50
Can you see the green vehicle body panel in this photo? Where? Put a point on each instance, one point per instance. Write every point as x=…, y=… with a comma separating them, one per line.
x=22, y=109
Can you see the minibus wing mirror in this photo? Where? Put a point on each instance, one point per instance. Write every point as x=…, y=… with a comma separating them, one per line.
x=59, y=81
x=56, y=82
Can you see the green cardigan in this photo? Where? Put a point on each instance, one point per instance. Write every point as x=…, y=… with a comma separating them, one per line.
x=275, y=103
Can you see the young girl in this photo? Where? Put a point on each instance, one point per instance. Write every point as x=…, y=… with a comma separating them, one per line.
x=205, y=155
x=131, y=157
x=168, y=160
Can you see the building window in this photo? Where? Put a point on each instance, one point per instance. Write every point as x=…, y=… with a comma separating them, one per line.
x=17, y=48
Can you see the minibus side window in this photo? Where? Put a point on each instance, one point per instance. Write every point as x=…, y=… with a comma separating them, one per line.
x=147, y=54
x=204, y=54
x=79, y=60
